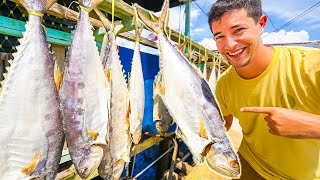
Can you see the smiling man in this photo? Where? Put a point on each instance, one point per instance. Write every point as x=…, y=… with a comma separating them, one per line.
x=273, y=91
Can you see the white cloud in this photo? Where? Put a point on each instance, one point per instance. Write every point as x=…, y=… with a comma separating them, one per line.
x=285, y=37
x=198, y=30
x=194, y=14
x=208, y=43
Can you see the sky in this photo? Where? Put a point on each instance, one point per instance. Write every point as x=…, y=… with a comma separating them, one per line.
x=302, y=14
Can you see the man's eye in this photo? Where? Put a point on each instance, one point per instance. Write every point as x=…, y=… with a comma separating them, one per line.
x=239, y=29
x=218, y=37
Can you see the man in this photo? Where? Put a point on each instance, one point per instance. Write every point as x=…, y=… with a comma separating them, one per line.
x=273, y=91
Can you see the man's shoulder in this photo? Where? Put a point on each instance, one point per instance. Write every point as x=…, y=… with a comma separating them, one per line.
x=298, y=50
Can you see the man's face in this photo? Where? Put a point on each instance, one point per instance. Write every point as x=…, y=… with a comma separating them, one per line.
x=237, y=37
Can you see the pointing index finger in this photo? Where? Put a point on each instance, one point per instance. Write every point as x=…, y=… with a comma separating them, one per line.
x=265, y=110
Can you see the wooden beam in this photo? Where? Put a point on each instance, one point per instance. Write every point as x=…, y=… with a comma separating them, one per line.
x=15, y=27
x=125, y=11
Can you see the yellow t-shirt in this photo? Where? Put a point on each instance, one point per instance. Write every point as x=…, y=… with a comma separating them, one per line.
x=292, y=80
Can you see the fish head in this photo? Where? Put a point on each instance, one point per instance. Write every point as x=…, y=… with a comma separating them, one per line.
x=223, y=160
x=92, y=157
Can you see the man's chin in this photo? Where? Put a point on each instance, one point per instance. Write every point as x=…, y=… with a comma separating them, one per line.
x=240, y=65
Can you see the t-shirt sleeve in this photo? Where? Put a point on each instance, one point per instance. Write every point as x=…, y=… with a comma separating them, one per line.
x=220, y=96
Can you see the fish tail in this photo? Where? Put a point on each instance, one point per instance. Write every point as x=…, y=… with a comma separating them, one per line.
x=156, y=26
x=39, y=6
x=90, y=4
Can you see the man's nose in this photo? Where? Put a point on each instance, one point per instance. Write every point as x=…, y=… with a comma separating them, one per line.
x=230, y=42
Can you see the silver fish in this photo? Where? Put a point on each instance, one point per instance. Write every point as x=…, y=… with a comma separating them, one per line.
x=136, y=91
x=30, y=121
x=118, y=151
x=213, y=78
x=83, y=97
x=204, y=74
x=193, y=107
x=161, y=114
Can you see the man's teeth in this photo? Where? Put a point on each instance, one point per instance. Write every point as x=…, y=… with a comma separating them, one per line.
x=236, y=53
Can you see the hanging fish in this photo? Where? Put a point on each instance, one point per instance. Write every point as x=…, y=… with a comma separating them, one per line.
x=161, y=115
x=83, y=96
x=193, y=107
x=213, y=78
x=204, y=74
x=31, y=137
x=118, y=151
x=136, y=89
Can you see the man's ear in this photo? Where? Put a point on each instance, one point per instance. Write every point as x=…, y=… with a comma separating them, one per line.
x=262, y=22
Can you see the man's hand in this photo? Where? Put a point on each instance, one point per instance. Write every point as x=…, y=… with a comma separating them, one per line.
x=289, y=123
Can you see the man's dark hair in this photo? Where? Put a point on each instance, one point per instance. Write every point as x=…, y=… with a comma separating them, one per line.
x=219, y=8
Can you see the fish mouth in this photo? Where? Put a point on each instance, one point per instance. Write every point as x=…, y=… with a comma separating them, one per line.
x=223, y=163
x=223, y=170
x=92, y=158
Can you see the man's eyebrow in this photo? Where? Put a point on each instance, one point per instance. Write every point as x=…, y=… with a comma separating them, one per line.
x=235, y=26
x=215, y=34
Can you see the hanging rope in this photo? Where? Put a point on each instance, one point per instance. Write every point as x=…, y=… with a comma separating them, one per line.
x=112, y=22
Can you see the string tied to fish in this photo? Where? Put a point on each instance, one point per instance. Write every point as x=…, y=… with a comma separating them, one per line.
x=36, y=13
x=84, y=8
x=159, y=31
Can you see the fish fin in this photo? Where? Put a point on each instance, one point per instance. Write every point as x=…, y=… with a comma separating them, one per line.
x=202, y=129
x=154, y=26
x=57, y=76
x=30, y=6
x=90, y=4
x=160, y=86
x=10, y=62
x=108, y=74
x=198, y=71
x=205, y=71
x=5, y=75
x=92, y=133
x=125, y=157
x=128, y=116
x=117, y=169
x=28, y=169
x=181, y=134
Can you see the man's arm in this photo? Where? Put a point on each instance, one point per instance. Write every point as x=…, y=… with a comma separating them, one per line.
x=289, y=123
x=228, y=119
